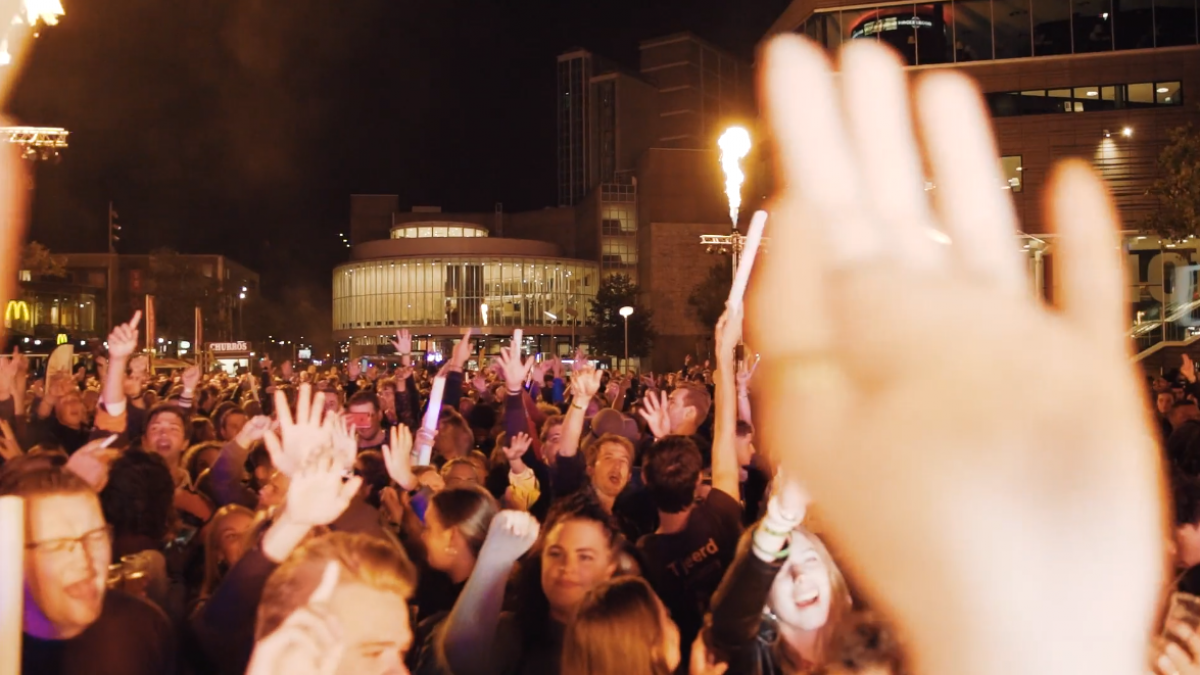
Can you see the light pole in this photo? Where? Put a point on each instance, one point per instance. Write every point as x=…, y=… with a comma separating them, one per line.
x=241, y=302
x=625, y=313
x=573, y=315
x=553, y=317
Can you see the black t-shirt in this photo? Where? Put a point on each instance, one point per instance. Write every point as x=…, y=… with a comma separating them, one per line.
x=131, y=637
x=686, y=567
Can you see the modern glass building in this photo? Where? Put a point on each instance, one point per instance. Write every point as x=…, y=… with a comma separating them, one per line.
x=451, y=276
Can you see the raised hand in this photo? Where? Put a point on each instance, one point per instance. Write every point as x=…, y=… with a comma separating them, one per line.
x=540, y=370
x=585, y=382
x=397, y=456
x=514, y=370
x=253, y=431
x=191, y=378
x=403, y=346
x=517, y=447
x=728, y=333
x=856, y=410
x=703, y=663
x=745, y=373
x=462, y=351
x=317, y=494
x=90, y=462
x=510, y=535
x=123, y=340
x=9, y=447
x=654, y=411
x=1188, y=369
x=301, y=438
x=308, y=642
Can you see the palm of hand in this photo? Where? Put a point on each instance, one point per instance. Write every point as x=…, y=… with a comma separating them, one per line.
x=317, y=495
x=853, y=430
x=1027, y=480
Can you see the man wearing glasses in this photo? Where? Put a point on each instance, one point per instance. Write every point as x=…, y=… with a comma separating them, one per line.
x=72, y=622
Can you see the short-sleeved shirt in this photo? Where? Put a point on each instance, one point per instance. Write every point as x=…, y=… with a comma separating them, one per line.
x=686, y=567
x=131, y=637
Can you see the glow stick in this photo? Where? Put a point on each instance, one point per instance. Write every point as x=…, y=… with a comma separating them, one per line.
x=12, y=585
x=430, y=422
x=742, y=276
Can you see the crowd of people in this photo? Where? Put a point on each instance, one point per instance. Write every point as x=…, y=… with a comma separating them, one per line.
x=868, y=514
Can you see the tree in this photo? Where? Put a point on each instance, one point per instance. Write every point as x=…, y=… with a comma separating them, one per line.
x=707, y=301
x=1177, y=187
x=616, y=292
x=40, y=263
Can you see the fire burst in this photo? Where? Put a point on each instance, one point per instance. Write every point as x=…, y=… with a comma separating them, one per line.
x=735, y=145
x=32, y=13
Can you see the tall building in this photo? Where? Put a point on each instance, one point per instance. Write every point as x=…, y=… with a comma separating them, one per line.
x=605, y=121
x=700, y=89
x=1096, y=79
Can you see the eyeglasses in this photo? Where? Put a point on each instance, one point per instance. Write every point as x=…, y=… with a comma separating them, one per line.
x=92, y=541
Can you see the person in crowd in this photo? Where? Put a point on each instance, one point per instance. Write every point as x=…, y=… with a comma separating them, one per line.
x=200, y=458
x=224, y=543
x=232, y=420
x=364, y=414
x=754, y=476
x=339, y=600
x=785, y=569
x=73, y=624
x=577, y=550
x=621, y=628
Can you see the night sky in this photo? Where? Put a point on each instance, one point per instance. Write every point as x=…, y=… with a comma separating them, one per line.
x=242, y=126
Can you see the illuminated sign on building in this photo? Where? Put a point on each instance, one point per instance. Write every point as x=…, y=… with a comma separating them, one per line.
x=17, y=309
x=220, y=347
x=61, y=339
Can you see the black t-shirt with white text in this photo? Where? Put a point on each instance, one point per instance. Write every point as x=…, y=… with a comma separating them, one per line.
x=131, y=637
x=686, y=567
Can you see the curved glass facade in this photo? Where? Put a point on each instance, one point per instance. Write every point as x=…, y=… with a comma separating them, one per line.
x=438, y=230
x=452, y=290
x=981, y=30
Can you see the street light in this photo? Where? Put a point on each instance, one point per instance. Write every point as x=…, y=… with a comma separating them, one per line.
x=241, y=302
x=625, y=313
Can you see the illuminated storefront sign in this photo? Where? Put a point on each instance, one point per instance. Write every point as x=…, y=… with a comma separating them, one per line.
x=17, y=310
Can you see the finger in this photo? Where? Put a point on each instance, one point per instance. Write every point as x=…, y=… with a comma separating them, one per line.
x=1093, y=278
x=304, y=404
x=974, y=208
x=877, y=106
x=137, y=318
x=318, y=408
x=1178, y=658
x=1187, y=636
x=813, y=149
x=274, y=449
x=282, y=409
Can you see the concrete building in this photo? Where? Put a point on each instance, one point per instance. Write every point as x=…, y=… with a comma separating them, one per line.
x=1096, y=79
x=77, y=304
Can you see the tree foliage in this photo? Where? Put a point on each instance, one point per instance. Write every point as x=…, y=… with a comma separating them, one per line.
x=38, y=260
x=614, y=293
x=707, y=301
x=1177, y=188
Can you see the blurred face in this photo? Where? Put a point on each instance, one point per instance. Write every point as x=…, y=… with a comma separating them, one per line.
x=71, y=411
x=206, y=459
x=437, y=539
x=66, y=577
x=577, y=555
x=803, y=590
x=364, y=418
x=165, y=436
x=231, y=536
x=462, y=474
x=679, y=411
x=375, y=630
x=231, y=424
x=90, y=398
x=553, y=441
x=1163, y=402
x=387, y=398
x=610, y=473
x=745, y=449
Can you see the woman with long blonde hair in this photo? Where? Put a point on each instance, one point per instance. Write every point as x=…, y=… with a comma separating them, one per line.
x=621, y=628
